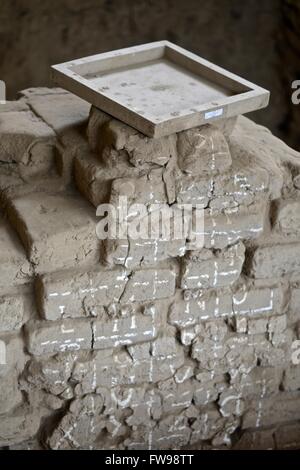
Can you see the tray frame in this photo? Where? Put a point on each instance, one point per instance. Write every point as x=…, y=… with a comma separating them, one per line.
x=249, y=97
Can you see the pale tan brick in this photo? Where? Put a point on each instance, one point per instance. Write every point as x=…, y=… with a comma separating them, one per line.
x=10, y=395
x=144, y=364
x=275, y=261
x=215, y=305
x=222, y=230
x=213, y=271
x=294, y=306
x=288, y=217
x=64, y=112
x=251, y=143
x=58, y=231
x=291, y=380
x=203, y=150
x=19, y=426
x=124, y=331
x=245, y=183
x=238, y=352
x=94, y=179
x=270, y=411
x=287, y=437
x=107, y=135
x=15, y=269
x=27, y=141
x=12, y=314
x=46, y=338
x=256, y=440
x=149, y=284
x=260, y=380
x=67, y=294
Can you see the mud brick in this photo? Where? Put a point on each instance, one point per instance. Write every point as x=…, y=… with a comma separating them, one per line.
x=244, y=184
x=16, y=268
x=62, y=111
x=135, y=253
x=209, y=388
x=252, y=303
x=52, y=374
x=271, y=354
x=251, y=143
x=46, y=338
x=63, y=295
x=256, y=440
x=143, y=364
x=274, y=410
x=210, y=424
x=259, y=381
x=188, y=313
x=105, y=133
x=124, y=331
x=217, y=271
x=146, y=189
x=294, y=306
x=176, y=397
x=203, y=150
x=275, y=261
x=149, y=285
x=221, y=356
x=257, y=326
x=27, y=141
x=231, y=403
x=184, y=373
x=237, y=352
x=277, y=325
x=19, y=426
x=97, y=119
x=288, y=217
x=191, y=190
x=12, y=314
x=58, y=231
x=274, y=326
x=222, y=230
x=287, y=437
x=67, y=115
x=145, y=404
x=14, y=106
x=79, y=427
x=291, y=380
x=94, y=179
x=10, y=395
x=172, y=432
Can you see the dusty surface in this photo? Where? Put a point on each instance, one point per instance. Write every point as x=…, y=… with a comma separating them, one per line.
x=145, y=344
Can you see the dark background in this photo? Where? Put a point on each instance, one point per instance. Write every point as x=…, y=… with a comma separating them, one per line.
x=257, y=39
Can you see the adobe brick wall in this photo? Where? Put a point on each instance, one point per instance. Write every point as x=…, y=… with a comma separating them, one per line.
x=137, y=344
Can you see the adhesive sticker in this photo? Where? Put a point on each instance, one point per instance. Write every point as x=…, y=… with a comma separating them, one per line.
x=215, y=113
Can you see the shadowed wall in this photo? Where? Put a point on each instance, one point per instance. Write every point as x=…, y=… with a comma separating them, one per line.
x=250, y=38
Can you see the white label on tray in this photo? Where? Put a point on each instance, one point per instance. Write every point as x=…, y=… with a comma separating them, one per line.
x=215, y=113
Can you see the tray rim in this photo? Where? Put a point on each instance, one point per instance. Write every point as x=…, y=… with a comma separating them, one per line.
x=240, y=103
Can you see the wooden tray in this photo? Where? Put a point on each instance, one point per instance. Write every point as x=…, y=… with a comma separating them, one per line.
x=159, y=88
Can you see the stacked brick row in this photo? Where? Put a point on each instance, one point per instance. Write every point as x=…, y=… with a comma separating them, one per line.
x=146, y=344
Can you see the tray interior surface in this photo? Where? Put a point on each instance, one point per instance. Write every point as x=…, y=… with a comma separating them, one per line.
x=157, y=89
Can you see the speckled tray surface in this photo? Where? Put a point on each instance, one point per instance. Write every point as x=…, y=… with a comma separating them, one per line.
x=159, y=88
